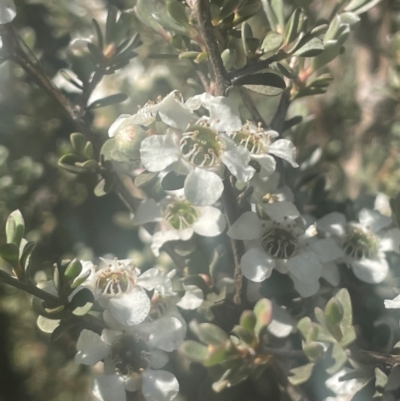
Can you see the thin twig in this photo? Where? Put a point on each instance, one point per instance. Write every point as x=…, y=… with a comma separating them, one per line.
x=202, y=13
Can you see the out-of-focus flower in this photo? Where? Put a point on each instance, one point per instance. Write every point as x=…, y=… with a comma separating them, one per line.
x=179, y=220
x=7, y=11
x=364, y=243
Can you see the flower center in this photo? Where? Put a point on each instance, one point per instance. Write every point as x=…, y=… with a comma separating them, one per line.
x=181, y=214
x=360, y=244
x=249, y=140
x=280, y=243
x=201, y=146
x=129, y=354
x=112, y=282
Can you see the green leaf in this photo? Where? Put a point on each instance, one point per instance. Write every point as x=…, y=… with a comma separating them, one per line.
x=229, y=8
x=245, y=335
x=272, y=42
x=286, y=70
x=26, y=253
x=312, y=48
x=263, y=312
x=380, y=378
x=88, y=152
x=67, y=162
x=195, y=351
x=343, y=297
x=248, y=320
x=229, y=57
x=111, y=24
x=263, y=79
x=211, y=334
x=301, y=374
x=73, y=270
x=303, y=3
x=332, y=32
x=173, y=181
x=188, y=55
x=334, y=311
x=313, y=350
x=361, y=6
x=78, y=142
x=99, y=35
x=80, y=280
x=145, y=178
x=15, y=228
x=348, y=336
x=63, y=327
x=321, y=82
x=47, y=325
x=294, y=26
x=108, y=101
x=82, y=302
x=349, y=18
x=167, y=22
x=331, y=51
x=177, y=11
x=10, y=253
x=339, y=356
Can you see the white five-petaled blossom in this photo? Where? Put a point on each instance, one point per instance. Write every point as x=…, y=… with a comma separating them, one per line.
x=7, y=11
x=130, y=363
x=120, y=288
x=364, y=244
x=284, y=244
x=179, y=220
x=201, y=150
x=259, y=144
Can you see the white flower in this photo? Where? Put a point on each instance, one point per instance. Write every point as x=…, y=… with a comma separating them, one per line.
x=267, y=190
x=201, y=151
x=179, y=220
x=364, y=243
x=259, y=145
x=170, y=109
x=120, y=288
x=284, y=244
x=130, y=363
x=7, y=11
x=392, y=303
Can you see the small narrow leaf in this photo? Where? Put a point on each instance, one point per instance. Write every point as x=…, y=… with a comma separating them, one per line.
x=312, y=48
x=272, y=42
x=15, y=228
x=194, y=351
x=108, y=101
x=211, y=334
x=301, y=374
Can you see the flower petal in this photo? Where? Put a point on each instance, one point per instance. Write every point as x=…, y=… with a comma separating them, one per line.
x=91, y=348
x=117, y=124
x=159, y=385
x=237, y=160
x=161, y=237
x=333, y=223
x=130, y=308
x=158, y=151
x=327, y=249
x=305, y=267
x=109, y=388
x=246, y=227
x=330, y=273
x=256, y=265
x=284, y=149
x=166, y=333
x=7, y=11
x=279, y=210
x=373, y=219
x=306, y=289
x=370, y=270
x=267, y=163
x=391, y=241
x=174, y=113
x=147, y=212
x=158, y=359
x=192, y=299
x=392, y=303
x=155, y=279
x=202, y=187
x=211, y=222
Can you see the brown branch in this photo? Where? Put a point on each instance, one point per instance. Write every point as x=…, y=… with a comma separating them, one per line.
x=202, y=13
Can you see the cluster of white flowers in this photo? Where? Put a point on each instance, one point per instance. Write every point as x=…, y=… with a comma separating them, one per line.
x=141, y=331
x=171, y=136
